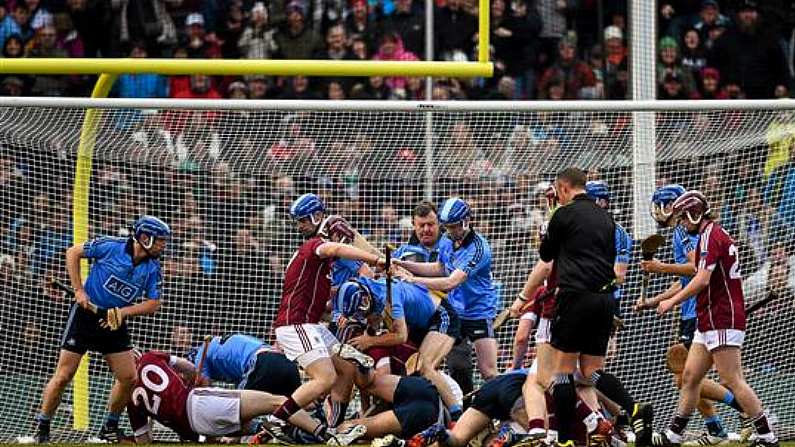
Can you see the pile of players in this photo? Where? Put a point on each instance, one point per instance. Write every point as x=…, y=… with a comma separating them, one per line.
x=391, y=327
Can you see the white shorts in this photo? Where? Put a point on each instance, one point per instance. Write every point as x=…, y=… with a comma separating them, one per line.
x=529, y=316
x=214, y=411
x=577, y=373
x=305, y=343
x=719, y=337
x=544, y=331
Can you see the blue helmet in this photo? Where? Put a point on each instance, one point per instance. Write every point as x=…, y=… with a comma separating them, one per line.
x=661, y=202
x=152, y=227
x=306, y=206
x=354, y=300
x=453, y=210
x=597, y=189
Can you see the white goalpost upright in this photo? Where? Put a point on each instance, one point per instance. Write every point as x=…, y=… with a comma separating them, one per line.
x=222, y=173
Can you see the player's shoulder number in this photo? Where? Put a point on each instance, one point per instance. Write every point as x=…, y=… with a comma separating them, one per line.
x=140, y=395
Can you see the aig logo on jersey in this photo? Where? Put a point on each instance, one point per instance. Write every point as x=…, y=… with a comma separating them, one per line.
x=120, y=288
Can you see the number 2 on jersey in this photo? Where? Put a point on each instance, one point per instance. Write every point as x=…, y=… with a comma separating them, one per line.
x=734, y=271
x=140, y=396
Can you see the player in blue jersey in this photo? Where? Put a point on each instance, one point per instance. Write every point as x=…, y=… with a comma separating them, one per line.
x=122, y=272
x=415, y=313
x=464, y=271
x=684, y=245
x=249, y=363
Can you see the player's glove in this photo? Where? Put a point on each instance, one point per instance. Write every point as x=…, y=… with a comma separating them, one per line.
x=111, y=319
x=339, y=227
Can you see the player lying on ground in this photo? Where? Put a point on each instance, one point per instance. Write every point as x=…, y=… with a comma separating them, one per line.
x=684, y=267
x=123, y=270
x=306, y=290
x=415, y=313
x=464, y=270
x=721, y=322
x=248, y=363
x=162, y=393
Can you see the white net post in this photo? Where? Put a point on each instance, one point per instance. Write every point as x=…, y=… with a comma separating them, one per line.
x=222, y=177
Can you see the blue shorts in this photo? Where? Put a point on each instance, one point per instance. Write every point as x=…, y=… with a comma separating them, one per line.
x=416, y=404
x=445, y=320
x=496, y=397
x=687, y=329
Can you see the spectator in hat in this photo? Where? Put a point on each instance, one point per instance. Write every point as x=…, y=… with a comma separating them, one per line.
x=616, y=69
x=669, y=60
x=708, y=16
x=709, y=88
x=575, y=73
x=144, y=85
x=294, y=38
x=258, y=39
x=237, y=90
x=749, y=55
x=199, y=44
x=391, y=49
x=672, y=86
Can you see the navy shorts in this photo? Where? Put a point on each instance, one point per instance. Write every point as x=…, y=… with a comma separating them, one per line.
x=416, y=404
x=496, y=397
x=474, y=330
x=445, y=320
x=273, y=373
x=687, y=329
x=83, y=333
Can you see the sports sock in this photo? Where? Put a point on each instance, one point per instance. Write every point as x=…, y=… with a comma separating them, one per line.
x=610, y=386
x=535, y=426
x=715, y=426
x=565, y=396
x=587, y=415
x=730, y=400
x=337, y=413
x=678, y=424
x=286, y=410
x=112, y=420
x=762, y=425
x=320, y=432
x=42, y=418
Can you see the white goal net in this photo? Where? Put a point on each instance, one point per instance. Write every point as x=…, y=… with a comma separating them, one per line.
x=223, y=180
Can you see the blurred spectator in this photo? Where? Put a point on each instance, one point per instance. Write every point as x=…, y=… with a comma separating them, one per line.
x=358, y=25
x=258, y=39
x=39, y=16
x=710, y=83
x=672, y=85
x=97, y=24
x=336, y=45
x=199, y=87
x=295, y=39
x=510, y=37
x=259, y=87
x=199, y=43
x=391, y=49
x=298, y=88
x=237, y=90
x=779, y=193
x=146, y=85
x=46, y=45
x=553, y=18
x=694, y=57
x=454, y=29
x=749, y=55
x=616, y=71
x=16, y=23
x=708, y=17
x=231, y=30
x=576, y=74
x=15, y=84
x=669, y=62
x=334, y=90
x=408, y=22
x=149, y=21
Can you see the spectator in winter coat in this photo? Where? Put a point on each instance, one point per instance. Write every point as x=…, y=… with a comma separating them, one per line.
x=257, y=40
x=575, y=73
x=391, y=49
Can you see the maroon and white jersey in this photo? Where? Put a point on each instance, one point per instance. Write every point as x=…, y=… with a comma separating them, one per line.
x=160, y=393
x=721, y=304
x=307, y=286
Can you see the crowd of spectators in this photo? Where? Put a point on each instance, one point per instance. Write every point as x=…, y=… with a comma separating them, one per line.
x=542, y=49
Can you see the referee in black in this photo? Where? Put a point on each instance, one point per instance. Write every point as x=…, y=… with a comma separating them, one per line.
x=580, y=239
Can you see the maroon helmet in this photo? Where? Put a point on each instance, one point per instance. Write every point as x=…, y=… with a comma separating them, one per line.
x=336, y=225
x=692, y=205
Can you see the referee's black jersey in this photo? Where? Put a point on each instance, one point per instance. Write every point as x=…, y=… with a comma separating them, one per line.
x=581, y=240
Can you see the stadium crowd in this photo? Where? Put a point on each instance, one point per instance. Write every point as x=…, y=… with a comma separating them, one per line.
x=542, y=49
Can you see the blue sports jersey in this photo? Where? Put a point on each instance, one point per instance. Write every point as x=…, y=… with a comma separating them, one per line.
x=623, y=253
x=114, y=281
x=230, y=358
x=411, y=302
x=684, y=243
x=475, y=298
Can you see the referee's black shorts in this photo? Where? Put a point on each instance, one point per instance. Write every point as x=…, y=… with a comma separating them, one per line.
x=583, y=322
x=83, y=333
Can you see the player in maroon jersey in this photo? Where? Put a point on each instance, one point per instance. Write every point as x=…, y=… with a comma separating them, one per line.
x=721, y=321
x=162, y=393
x=306, y=291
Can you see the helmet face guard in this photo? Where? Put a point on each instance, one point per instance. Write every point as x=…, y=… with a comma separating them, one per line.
x=661, y=212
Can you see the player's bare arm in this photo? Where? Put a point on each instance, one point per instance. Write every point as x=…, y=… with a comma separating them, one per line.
x=422, y=268
x=655, y=266
x=620, y=269
x=696, y=285
x=444, y=283
x=651, y=303
x=534, y=280
x=73, y=256
x=345, y=251
x=399, y=334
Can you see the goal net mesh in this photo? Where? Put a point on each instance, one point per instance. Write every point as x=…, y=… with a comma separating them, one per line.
x=223, y=180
